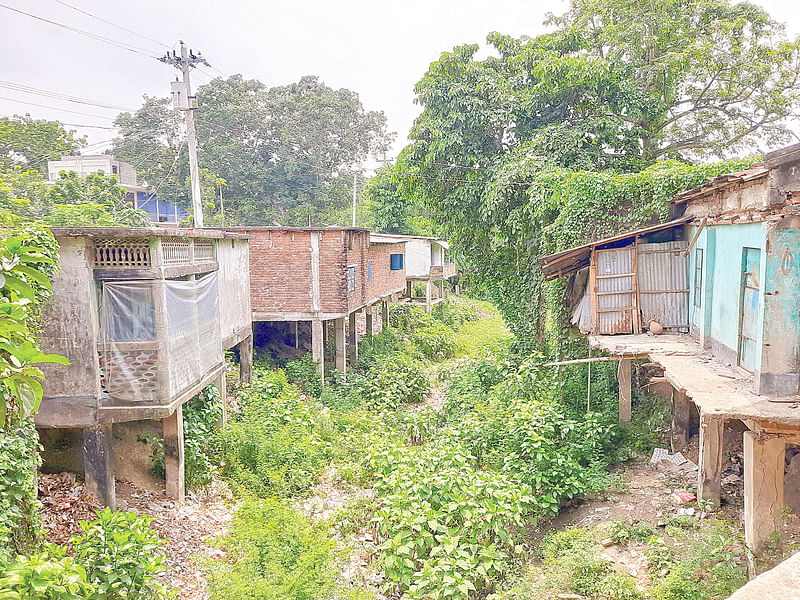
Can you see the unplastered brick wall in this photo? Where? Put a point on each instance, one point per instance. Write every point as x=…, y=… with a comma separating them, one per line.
x=384, y=280
x=280, y=270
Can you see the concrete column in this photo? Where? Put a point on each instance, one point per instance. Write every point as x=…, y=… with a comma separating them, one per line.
x=624, y=378
x=681, y=417
x=341, y=362
x=370, y=330
x=352, y=344
x=318, y=346
x=246, y=359
x=296, y=334
x=410, y=289
x=98, y=464
x=222, y=388
x=428, y=296
x=764, y=460
x=709, y=476
x=441, y=289
x=385, y=311
x=173, y=455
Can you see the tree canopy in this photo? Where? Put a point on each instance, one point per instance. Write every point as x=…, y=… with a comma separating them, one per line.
x=30, y=143
x=286, y=153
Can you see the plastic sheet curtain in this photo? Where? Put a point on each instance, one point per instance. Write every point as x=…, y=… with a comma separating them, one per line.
x=159, y=338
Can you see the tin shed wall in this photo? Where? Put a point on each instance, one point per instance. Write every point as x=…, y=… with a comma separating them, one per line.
x=663, y=267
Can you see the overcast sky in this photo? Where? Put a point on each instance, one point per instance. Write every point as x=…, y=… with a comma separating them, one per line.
x=377, y=48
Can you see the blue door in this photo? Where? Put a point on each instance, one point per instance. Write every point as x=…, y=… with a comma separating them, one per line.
x=749, y=314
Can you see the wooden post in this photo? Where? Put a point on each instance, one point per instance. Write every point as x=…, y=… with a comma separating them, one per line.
x=222, y=387
x=428, y=296
x=296, y=334
x=370, y=331
x=410, y=289
x=681, y=416
x=709, y=476
x=98, y=464
x=353, y=339
x=764, y=461
x=173, y=455
x=385, y=311
x=318, y=346
x=442, y=289
x=246, y=359
x=624, y=378
x=341, y=363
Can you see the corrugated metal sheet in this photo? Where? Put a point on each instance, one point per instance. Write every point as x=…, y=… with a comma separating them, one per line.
x=664, y=284
x=615, y=262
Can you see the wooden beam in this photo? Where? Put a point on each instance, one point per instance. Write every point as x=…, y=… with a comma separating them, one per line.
x=593, y=359
x=709, y=476
x=696, y=235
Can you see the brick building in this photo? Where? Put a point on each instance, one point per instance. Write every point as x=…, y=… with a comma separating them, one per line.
x=323, y=276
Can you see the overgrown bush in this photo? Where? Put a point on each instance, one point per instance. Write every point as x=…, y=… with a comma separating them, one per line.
x=273, y=554
x=304, y=372
x=455, y=312
x=122, y=555
x=395, y=380
x=48, y=575
x=19, y=509
x=278, y=443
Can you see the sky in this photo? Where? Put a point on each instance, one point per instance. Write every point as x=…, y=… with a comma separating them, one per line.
x=377, y=48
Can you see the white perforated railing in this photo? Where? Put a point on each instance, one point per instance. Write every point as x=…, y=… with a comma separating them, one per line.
x=176, y=251
x=122, y=252
x=203, y=250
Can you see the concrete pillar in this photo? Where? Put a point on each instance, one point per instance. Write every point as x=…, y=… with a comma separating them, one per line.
x=98, y=464
x=318, y=346
x=441, y=289
x=296, y=334
x=681, y=417
x=222, y=388
x=370, y=330
x=173, y=455
x=385, y=311
x=764, y=460
x=410, y=289
x=352, y=344
x=246, y=359
x=341, y=362
x=709, y=476
x=624, y=378
x=428, y=296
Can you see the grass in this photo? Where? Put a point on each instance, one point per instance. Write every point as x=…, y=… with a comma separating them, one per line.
x=474, y=336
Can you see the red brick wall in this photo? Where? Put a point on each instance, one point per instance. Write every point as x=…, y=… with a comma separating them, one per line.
x=280, y=270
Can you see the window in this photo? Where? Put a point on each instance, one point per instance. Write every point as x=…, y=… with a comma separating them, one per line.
x=698, y=277
x=369, y=271
x=396, y=262
x=351, y=279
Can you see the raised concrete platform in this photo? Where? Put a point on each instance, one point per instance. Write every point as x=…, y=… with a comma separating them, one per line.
x=779, y=583
x=716, y=389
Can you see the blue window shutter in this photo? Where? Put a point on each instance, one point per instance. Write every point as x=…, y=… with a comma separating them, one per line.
x=369, y=271
x=396, y=262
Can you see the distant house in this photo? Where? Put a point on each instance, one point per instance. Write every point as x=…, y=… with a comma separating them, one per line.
x=722, y=281
x=323, y=278
x=428, y=259
x=144, y=316
x=158, y=209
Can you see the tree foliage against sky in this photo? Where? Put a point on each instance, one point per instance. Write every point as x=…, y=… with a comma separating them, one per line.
x=588, y=129
x=31, y=143
x=282, y=151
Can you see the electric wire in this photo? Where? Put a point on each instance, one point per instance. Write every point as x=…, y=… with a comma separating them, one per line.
x=27, y=89
x=75, y=112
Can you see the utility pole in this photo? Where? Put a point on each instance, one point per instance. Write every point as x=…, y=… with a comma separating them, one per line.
x=185, y=102
x=355, y=183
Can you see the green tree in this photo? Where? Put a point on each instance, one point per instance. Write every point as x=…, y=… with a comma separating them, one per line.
x=283, y=152
x=31, y=143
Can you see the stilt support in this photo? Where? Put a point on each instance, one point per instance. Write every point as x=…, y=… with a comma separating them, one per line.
x=709, y=475
x=98, y=464
x=385, y=311
x=341, y=362
x=222, y=388
x=681, y=416
x=246, y=359
x=624, y=377
x=369, y=312
x=318, y=346
x=764, y=461
x=173, y=455
x=352, y=345
x=428, y=296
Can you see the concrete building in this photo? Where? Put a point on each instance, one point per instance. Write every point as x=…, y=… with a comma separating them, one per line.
x=144, y=316
x=722, y=279
x=158, y=209
x=326, y=277
x=428, y=259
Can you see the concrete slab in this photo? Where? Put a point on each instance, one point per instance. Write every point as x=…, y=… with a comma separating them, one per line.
x=717, y=389
x=781, y=583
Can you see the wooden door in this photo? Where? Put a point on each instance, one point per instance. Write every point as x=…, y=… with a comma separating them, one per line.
x=749, y=321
